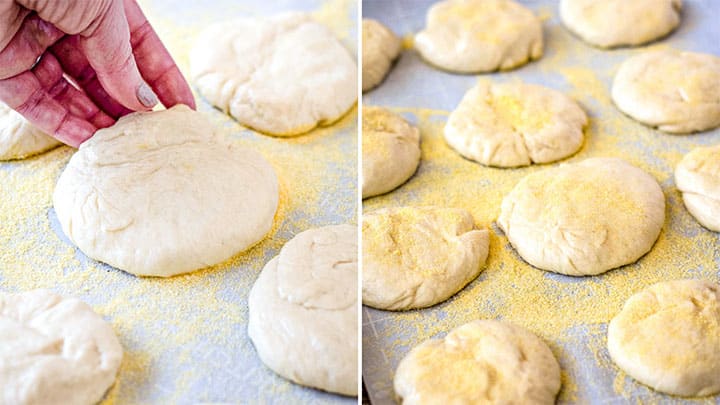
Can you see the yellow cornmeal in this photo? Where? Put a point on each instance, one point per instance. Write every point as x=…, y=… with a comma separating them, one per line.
x=166, y=325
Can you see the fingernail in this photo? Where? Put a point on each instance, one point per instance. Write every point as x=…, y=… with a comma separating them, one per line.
x=146, y=96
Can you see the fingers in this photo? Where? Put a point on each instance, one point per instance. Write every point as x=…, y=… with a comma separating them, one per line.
x=107, y=48
x=32, y=39
x=74, y=63
x=154, y=60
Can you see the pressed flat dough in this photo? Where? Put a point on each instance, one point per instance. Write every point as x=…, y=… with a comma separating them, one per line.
x=54, y=350
x=698, y=178
x=380, y=47
x=481, y=362
x=473, y=36
x=668, y=337
x=282, y=75
x=671, y=90
x=584, y=218
x=415, y=257
x=390, y=151
x=20, y=139
x=162, y=193
x=515, y=124
x=611, y=23
x=304, y=310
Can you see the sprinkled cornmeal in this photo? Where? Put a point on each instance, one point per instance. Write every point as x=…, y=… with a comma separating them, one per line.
x=569, y=313
x=185, y=338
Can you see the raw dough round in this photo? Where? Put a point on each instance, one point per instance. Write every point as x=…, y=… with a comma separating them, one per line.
x=611, y=23
x=698, y=178
x=515, y=124
x=472, y=36
x=54, y=350
x=282, y=75
x=390, y=151
x=162, y=193
x=418, y=257
x=674, y=91
x=18, y=138
x=380, y=47
x=668, y=337
x=481, y=362
x=584, y=218
x=304, y=310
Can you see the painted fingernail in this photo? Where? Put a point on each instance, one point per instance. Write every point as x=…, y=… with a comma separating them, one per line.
x=146, y=96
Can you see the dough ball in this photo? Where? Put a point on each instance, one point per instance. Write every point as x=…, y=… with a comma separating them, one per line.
x=418, y=257
x=584, y=218
x=515, y=124
x=20, y=139
x=668, y=337
x=673, y=91
x=473, y=36
x=282, y=75
x=304, y=310
x=390, y=151
x=481, y=362
x=380, y=47
x=54, y=350
x=611, y=23
x=698, y=178
x=162, y=193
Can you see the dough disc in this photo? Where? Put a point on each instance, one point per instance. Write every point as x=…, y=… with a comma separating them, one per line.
x=18, y=138
x=380, y=47
x=584, y=218
x=698, y=178
x=304, y=311
x=668, y=337
x=418, y=257
x=162, y=193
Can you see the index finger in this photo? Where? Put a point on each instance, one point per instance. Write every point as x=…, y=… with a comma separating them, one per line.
x=154, y=61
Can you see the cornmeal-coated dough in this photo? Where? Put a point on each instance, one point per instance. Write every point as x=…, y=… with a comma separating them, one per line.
x=282, y=75
x=473, y=36
x=668, y=337
x=415, y=257
x=698, y=178
x=584, y=218
x=20, y=139
x=380, y=47
x=162, y=193
x=304, y=310
x=673, y=91
x=54, y=350
x=481, y=362
x=515, y=124
x=611, y=23
x=390, y=151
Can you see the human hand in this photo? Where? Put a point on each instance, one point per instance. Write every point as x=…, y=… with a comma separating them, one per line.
x=106, y=47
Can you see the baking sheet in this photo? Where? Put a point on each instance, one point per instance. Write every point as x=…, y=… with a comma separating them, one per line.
x=185, y=338
x=570, y=314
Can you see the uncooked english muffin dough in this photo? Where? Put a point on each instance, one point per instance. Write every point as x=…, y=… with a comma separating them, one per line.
x=698, y=178
x=481, y=362
x=162, y=193
x=584, y=218
x=611, y=23
x=515, y=124
x=390, y=151
x=20, y=139
x=418, y=257
x=380, y=47
x=54, y=350
x=304, y=310
x=473, y=36
x=282, y=75
x=673, y=91
x=668, y=337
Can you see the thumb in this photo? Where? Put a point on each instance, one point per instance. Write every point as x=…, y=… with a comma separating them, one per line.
x=106, y=44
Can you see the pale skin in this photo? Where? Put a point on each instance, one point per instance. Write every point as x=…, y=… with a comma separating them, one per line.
x=107, y=48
